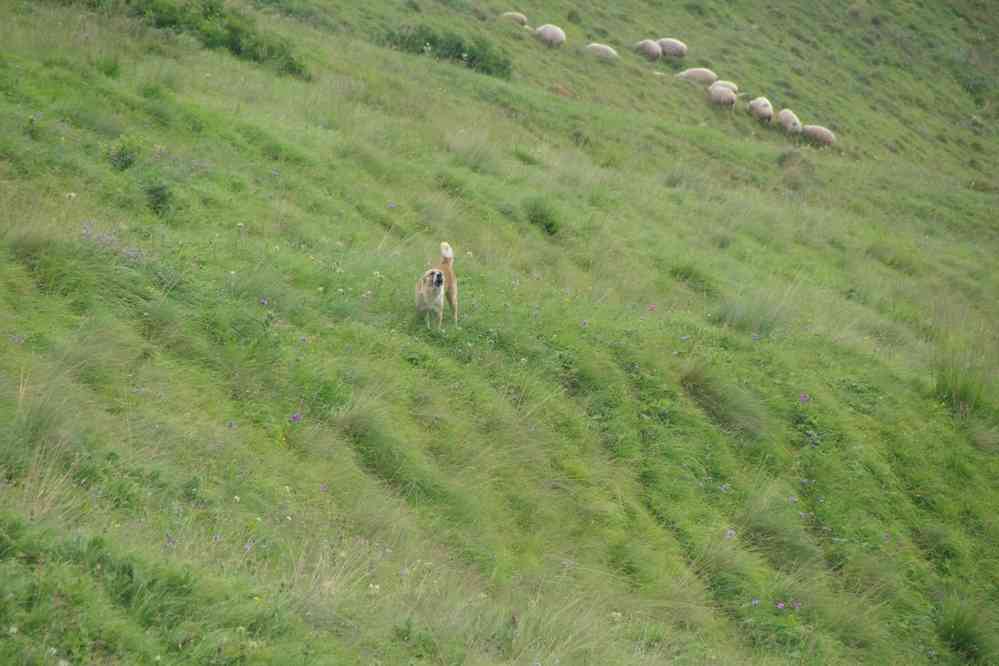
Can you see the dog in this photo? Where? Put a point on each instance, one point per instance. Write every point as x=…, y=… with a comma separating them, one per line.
x=434, y=285
x=430, y=296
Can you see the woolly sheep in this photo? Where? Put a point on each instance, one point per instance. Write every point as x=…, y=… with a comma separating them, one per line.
x=698, y=75
x=550, y=35
x=649, y=48
x=762, y=109
x=672, y=48
x=721, y=96
x=726, y=84
x=818, y=134
x=601, y=51
x=789, y=121
x=516, y=17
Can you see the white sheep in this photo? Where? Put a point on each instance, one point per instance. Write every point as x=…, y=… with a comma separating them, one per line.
x=762, y=109
x=818, y=134
x=700, y=75
x=601, y=51
x=516, y=17
x=789, y=121
x=649, y=48
x=726, y=84
x=550, y=35
x=721, y=96
x=672, y=48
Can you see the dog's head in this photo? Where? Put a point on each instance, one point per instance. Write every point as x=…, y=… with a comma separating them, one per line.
x=434, y=279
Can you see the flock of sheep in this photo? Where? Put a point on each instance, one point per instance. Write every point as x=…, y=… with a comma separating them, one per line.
x=721, y=93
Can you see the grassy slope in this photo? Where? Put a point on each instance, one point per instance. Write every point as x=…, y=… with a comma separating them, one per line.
x=570, y=476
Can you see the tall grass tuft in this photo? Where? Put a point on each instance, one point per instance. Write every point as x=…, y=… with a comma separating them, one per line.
x=962, y=378
x=759, y=312
x=730, y=406
x=968, y=628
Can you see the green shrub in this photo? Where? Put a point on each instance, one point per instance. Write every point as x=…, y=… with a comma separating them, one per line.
x=479, y=54
x=159, y=197
x=123, y=153
x=542, y=214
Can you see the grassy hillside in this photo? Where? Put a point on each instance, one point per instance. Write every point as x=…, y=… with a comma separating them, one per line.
x=715, y=396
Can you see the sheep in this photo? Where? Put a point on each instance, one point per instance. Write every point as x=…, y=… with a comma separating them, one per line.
x=762, y=109
x=721, y=96
x=698, y=75
x=818, y=134
x=550, y=35
x=726, y=84
x=672, y=48
x=601, y=51
x=516, y=17
x=649, y=48
x=789, y=121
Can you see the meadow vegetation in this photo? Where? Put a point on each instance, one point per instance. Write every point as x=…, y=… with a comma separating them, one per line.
x=715, y=396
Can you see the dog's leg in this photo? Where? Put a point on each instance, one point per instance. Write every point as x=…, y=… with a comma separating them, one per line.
x=440, y=318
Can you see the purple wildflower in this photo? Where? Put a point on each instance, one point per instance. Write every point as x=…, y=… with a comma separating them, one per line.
x=796, y=605
x=780, y=605
x=391, y=204
x=652, y=307
x=324, y=487
x=725, y=487
x=755, y=602
x=264, y=300
x=804, y=398
x=248, y=546
x=296, y=417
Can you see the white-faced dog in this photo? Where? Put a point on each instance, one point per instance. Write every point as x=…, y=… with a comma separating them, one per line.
x=436, y=284
x=430, y=295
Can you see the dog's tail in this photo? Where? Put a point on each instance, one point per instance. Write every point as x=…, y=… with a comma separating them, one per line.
x=447, y=254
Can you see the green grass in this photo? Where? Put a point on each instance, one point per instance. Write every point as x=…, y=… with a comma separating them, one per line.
x=701, y=369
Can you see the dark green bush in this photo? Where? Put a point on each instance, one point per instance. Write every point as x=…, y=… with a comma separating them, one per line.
x=160, y=198
x=123, y=153
x=479, y=54
x=542, y=214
